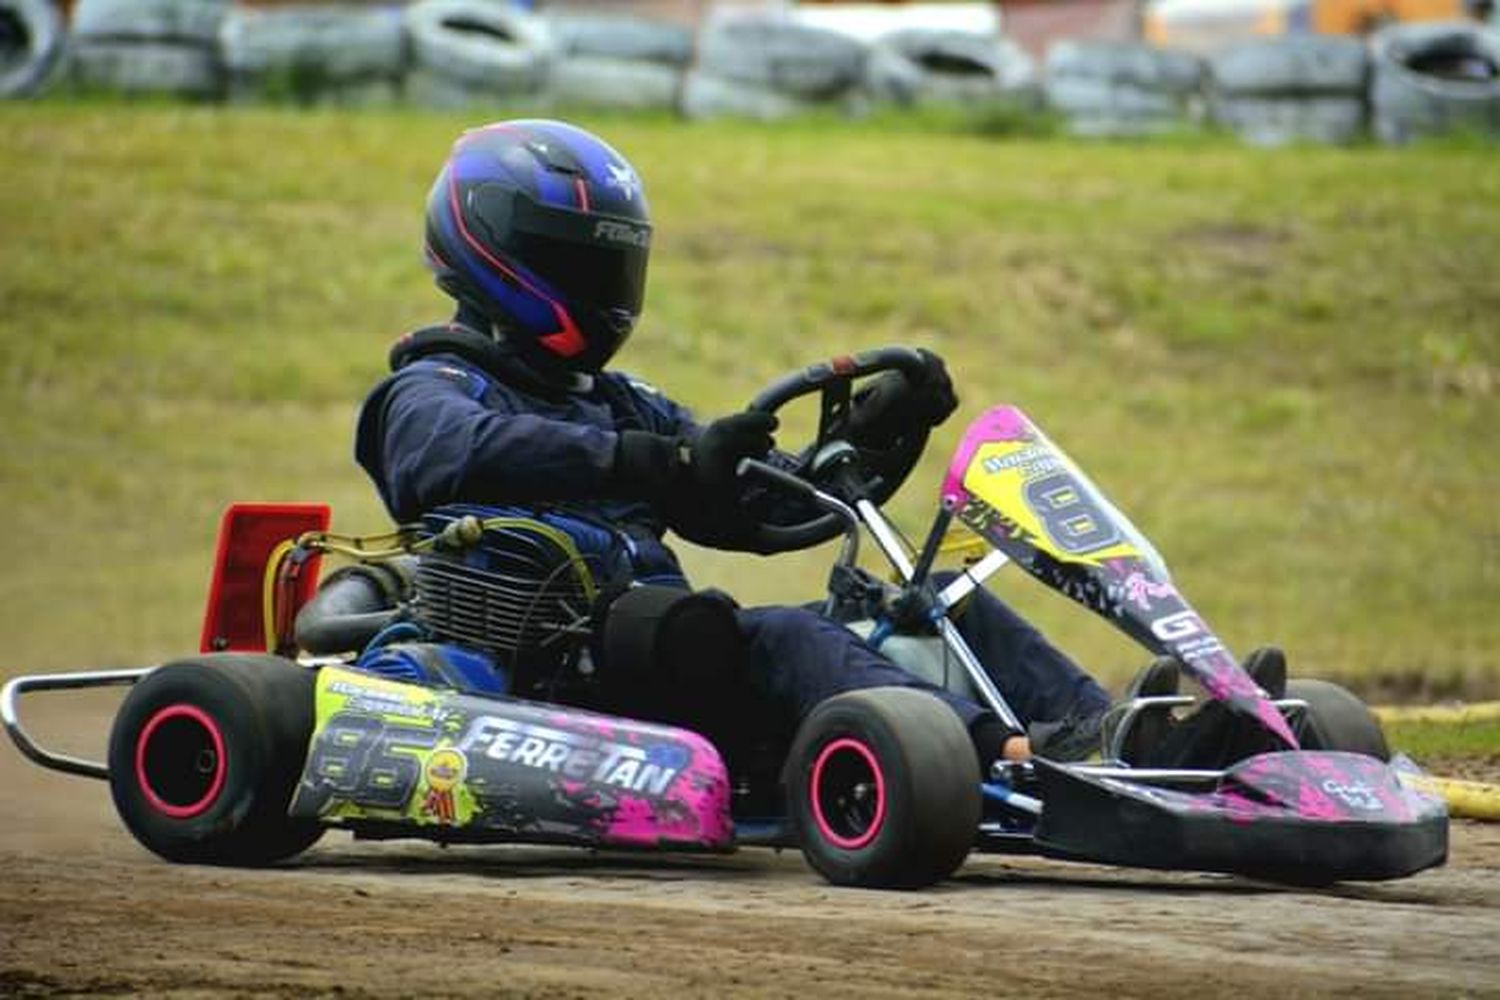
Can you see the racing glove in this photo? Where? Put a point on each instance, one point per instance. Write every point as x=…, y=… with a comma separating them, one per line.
x=895, y=402
x=652, y=465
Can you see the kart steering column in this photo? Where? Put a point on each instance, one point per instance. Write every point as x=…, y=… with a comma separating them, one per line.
x=891, y=545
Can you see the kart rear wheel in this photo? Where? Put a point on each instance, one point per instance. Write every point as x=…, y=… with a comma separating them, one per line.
x=883, y=789
x=1337, y=720
x=205, y=754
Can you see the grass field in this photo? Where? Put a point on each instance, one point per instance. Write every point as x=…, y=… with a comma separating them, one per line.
x=1284, y=365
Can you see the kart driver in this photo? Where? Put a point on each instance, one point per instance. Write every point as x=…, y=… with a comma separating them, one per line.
x=540, y=232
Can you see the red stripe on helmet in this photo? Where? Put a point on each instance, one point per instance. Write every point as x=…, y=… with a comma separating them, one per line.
x=568, y=341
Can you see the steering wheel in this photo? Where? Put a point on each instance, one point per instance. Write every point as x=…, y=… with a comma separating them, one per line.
x=875, y=473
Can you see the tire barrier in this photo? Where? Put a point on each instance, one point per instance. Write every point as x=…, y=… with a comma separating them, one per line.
x=768, y=68
x=148, y=46
x=704, y=95
x=473, y=50
x=1435, y=78
x=617, y=36
x=616, y=61
x=1412, y=80
x=916, y=67
x=1275, y=91
x=1108, y=89
x=605, y=82
x=31, y=42
x=314, y=53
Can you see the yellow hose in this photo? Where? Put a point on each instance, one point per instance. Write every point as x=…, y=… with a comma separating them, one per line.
x=1466, y=799
x=268, y=592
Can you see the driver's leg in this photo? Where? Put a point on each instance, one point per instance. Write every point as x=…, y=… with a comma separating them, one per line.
x=797, y=659
x=1041, y=683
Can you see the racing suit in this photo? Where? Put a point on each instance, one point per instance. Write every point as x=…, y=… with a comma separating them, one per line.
x=463, y=419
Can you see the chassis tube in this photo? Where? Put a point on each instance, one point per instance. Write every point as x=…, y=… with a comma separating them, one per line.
x=11, y=693
x=890, y=543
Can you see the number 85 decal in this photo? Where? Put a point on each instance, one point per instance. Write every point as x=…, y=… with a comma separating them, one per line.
x=368, y=761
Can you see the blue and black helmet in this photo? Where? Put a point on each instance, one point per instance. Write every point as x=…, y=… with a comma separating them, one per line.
x=545, y=229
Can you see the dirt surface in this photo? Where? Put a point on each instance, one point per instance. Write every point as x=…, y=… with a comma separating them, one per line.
x=85, y=910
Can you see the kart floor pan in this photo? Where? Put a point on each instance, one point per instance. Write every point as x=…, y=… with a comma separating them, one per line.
x=1300, y=817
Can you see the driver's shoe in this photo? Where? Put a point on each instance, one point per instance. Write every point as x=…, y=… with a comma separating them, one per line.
x=1080, y=737
x=1149, y=726
x=1267, y=668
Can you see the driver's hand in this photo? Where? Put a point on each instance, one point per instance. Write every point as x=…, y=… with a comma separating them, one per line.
x=714, y=456
x=935, y=398
x=894, y=403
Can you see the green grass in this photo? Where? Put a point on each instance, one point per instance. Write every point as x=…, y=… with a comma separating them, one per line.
x=1444, y=740
x=1284, y=365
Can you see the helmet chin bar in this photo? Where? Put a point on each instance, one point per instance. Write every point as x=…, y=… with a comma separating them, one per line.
x=544, y=366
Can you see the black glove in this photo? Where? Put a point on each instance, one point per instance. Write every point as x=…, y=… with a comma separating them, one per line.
x=716, y=454
x=895, y=402
x=655, y=465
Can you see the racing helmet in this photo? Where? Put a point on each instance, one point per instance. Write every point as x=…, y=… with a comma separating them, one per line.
x=544, y=228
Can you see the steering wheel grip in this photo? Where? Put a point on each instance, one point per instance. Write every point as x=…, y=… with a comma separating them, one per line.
x=832, y=379
x=845, y=368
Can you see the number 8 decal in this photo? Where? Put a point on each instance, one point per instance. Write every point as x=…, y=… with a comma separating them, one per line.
x=1071, y=517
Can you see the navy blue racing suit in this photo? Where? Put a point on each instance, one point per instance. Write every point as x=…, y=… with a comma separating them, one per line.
x=461, y=420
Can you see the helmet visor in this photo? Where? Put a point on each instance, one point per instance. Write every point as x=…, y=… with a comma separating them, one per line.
x=605, y=279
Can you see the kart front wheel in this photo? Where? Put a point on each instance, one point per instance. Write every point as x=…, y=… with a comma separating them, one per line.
x=205, y=754
x=883, y=789
x=1336, y=720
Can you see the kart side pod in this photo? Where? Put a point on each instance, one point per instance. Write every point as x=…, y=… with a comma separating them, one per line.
x=395, y=759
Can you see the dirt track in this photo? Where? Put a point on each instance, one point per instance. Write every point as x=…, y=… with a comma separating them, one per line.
x=85, y=910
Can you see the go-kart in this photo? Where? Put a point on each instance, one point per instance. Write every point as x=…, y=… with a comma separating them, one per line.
x=439, y=686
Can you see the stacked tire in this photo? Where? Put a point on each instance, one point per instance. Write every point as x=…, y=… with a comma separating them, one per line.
x=615, y=61
x=916, y=67
x=1431, y=79
x=1121, y=89
x=318, y=53
x=476, y=53
x=1276, y=91
x=766, y=68
x=31, y=40
x=148, y=46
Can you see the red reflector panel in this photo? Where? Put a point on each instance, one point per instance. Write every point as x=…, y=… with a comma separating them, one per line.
x=248, y=534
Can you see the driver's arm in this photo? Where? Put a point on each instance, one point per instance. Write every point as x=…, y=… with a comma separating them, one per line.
x=426, y=440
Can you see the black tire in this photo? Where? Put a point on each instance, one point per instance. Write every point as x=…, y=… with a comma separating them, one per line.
x=922, y=66
x=179, y=22
x=604, y=82
x=1144, y=67
x=794, y=59
x=1417, y=89
x=706, y=96
x=1304, y=65
x=620, y=36
x=204, y=757
x=144, y=67
x=478, y=47
x=313, y=46
x=1279, y=121
x=31, y=39
x=883, y=789
x=1337, y=720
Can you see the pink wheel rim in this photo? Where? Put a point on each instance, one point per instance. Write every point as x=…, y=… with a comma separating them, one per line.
x=845, y=745
x=154, y=797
